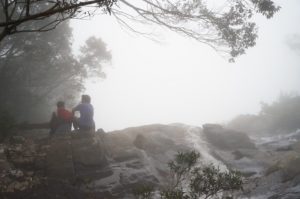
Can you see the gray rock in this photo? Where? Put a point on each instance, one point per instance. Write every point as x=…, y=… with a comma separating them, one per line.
x=226, y=139
x=17, y=140
x=89, y=158
x=291, y=169
x=59, y=158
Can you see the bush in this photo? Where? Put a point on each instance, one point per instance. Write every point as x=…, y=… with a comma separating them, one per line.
x=189, y=181
x=143, y=192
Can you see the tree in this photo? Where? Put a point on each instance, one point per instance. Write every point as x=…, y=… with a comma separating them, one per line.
x=93, y=53
x=40, y=69
x=228, y=30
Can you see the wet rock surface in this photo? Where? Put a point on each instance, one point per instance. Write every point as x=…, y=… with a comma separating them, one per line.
x=226, y=139
x=110, y=165
x=83, y=165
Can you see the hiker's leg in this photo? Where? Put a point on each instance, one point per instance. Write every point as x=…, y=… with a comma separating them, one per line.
x=75, y=123
x=63, y=127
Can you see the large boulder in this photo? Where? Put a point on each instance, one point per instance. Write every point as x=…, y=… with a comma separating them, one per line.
x=291, y=169
x=226, y=139
x=89, y=157
x=296, y=146
x=153, y=144
x=59, y=158
x=78, y=155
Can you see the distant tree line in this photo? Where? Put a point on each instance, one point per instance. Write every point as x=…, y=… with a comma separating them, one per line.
x=281, y=116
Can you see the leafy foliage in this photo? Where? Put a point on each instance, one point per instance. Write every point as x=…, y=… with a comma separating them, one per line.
x=266, y=7
x=209, y=181
x=16, y=14
x=176, y=193
x=93, y=54
x=182, y=164
x=143, y=192
x=189, y=181
x=229, y=29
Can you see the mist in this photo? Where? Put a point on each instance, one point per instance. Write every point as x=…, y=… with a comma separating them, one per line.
x=179, y=80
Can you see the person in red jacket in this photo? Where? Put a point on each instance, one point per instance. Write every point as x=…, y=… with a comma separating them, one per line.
x=61, y=120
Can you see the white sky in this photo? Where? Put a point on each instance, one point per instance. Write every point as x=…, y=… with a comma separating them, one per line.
x=180, y=80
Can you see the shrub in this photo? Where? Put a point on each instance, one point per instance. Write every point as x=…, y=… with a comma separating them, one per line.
x=143, y=192
x=189, y=181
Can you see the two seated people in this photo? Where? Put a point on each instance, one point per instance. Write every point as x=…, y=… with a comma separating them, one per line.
x=62, y=120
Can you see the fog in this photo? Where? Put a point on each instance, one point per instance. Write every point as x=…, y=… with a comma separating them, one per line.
x=180, y=80
x=174, y=116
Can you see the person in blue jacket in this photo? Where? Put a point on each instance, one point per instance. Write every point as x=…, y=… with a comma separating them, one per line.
x=86, y=120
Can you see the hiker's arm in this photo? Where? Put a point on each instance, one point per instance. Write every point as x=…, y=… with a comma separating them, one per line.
x=76, y=108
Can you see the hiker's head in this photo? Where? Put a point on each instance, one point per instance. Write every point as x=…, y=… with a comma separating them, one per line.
x=85, y=99
x=60, y=104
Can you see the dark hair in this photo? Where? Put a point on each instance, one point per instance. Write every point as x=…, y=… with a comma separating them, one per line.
x=85, y=99
x=60, y=104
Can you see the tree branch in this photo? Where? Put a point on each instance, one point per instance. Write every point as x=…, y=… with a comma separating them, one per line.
x=51, y=11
